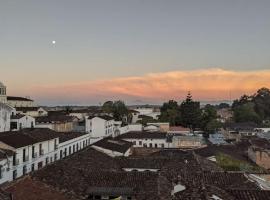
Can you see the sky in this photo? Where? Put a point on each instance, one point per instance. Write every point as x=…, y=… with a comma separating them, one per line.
x=139, y=51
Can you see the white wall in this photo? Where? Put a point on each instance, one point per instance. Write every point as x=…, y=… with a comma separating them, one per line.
x=156, y=143
x=99, y=127
x=5, y=113
x=24, y=122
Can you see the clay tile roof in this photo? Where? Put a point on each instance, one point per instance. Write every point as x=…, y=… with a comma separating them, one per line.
x=11, y=98
x=26, y=137
x=27, y=109
x=114, y=145
x=54, y=119
x=143, y=135
x=17, y=116
x=105, y=117
x=65, y=136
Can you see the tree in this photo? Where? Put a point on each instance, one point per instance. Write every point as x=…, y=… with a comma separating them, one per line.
x=223, y=105
x=261, y=101
x=170, y=113
x=209, y=121
x=190, y=113
x=246, y=113
x=108, y=107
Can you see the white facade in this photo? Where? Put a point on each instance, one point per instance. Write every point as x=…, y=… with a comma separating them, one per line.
x=99, y=127
x=148, y=112
x=5, y=114
x=71, y=146
x=33, y=157
x=20, y=103
x=149, y=143
x=3, y=93
x=22, y=122
x=28, y=158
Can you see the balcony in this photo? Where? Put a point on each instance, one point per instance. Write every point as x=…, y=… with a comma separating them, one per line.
x=56, y=146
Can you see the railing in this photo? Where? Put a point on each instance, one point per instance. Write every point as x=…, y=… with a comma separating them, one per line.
x=17, y=162
x=26, y=158
x=35, y=155
x=56, y=146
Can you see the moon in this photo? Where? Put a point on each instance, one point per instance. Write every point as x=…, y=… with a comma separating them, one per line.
x=53, y=42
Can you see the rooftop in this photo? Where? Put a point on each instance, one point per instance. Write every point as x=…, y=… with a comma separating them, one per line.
x=55, y=119
x=28, y=136
x=114, y=145
x=12, y=98
x=143, y=135
x=105, y=117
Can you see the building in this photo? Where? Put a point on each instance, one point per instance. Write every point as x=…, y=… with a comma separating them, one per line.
x=32, y=111
x=113, y=147
x=3, y=93
x=146, y=139
x=162, y=126
x=259, y=152
x=224, y=115
x=188, y=141
x=59, y=123
x=100, y=126
x=27, y=150
x=19, y=121
x=167, y=174
x=20, y=102
x=33, y=149
x=5, y=114
x=217, y=138
x=175, y=130
x=148, y=111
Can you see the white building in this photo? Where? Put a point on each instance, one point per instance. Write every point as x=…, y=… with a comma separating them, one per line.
x=147, y=139
x=32, y=111
x=19, y=121
x=5, y=114
x=99, y=126
x=27, y=150
x=150, y=112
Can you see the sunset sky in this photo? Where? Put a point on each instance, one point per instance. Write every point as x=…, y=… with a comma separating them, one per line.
x=140, y=51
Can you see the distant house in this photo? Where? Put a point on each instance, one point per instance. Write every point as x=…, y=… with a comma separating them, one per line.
x=162, y=126
x=59, y=123
x=224, y=115
x=20, y=101
x=188, y=141
x=235, y=131
x=146, y=139
x=179, y=130
x=100, y=126
x=217, y=138
x=32, y=111
x=19, y=121
x=259, y=152
x=113, y=147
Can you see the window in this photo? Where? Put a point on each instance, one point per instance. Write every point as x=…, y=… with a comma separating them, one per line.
x=77, y=147
x=33, y=151
x=1, y=173
x=55, y=144
x=24, y=169
x=134, y=142
x=69, y=150
x=150, y=145
x=47, y=160
x=155, y=145
x=40, y=149
x=144, y=145
x=33, y=167
x=14, y=174
x=73, y=148
x=162, y=145
x=61, y=154
x=55, y=156
x=24, y=156
x=140, y=143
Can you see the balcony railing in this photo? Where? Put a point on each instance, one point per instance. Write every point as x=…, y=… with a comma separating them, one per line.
x=17, y=162
x=35, y=155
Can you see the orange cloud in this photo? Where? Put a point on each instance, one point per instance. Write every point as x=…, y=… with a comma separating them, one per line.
x=207, y=84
